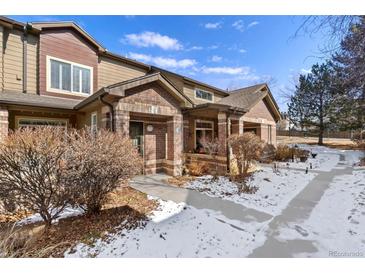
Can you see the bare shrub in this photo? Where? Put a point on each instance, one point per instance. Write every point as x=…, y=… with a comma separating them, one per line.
x=268, y=153
x=247, y=149
x=285, y=153
x=32, y=165
x=198, y=168
x=97, y=163
x=212, y=147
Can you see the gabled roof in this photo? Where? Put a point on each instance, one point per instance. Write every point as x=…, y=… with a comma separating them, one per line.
x=119, y=89
x=248, y=97
x=26, y=99
x=69, y=24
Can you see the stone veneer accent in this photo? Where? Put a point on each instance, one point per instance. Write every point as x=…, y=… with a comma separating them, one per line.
x=4, y=123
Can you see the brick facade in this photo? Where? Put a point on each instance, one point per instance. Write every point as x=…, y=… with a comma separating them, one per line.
x=4, y=123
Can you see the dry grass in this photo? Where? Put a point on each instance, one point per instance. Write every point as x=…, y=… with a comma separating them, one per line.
x=329, y=142
x=180, y=181
x=198, y=168
x=126, y=208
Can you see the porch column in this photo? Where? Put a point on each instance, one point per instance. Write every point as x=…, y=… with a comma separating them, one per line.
x=222, y=132
x=174, y=145
x=122, y=122
x=4, y=123
x=240, y=126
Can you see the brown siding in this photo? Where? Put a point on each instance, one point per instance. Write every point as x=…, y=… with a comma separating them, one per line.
x=68, y=45
x=260, y=110
x=111, y=71
x=176, y=81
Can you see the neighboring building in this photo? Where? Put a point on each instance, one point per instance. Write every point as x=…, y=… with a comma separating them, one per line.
x=56, y=74
x=284, y=123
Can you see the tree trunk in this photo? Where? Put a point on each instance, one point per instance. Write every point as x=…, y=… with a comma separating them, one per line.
x=320, y=137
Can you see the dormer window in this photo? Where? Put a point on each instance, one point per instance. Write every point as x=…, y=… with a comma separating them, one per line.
x=204, y=95
x=68, y=77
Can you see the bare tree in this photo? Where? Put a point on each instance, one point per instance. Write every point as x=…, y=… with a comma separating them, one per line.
x=32, y=165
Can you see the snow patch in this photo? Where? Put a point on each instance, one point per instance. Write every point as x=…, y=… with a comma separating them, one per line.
x=189, y=232
x=275, y=190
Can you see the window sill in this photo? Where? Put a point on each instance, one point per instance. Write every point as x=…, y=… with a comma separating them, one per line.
x=59, y=91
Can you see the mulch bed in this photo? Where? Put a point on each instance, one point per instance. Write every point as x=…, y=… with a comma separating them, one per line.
x=126, y=208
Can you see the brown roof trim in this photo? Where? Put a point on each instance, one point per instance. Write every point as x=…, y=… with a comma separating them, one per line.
x=69, y=24
x=223, y=107
x=10, y=24
x=125, y=59
x=187, y=79
x=130, y=84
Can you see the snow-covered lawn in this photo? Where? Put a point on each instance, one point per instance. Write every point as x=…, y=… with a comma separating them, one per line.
x=275, y=190
x=337, y=223
x=178, y=230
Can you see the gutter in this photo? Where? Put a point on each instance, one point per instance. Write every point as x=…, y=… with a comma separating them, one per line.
x=111, y=107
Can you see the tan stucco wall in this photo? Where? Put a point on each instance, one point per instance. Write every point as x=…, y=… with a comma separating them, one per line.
x=260, y=111
x=111, y=71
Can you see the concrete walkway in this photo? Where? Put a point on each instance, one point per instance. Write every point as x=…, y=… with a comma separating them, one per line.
x=298, y=210
x=154, y=185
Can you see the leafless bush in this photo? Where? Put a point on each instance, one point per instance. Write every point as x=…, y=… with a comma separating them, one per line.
x=32, y=164
x=246, y=148
x=212, y=147
x=268, y=153
x=285, y=153
x=97, y=163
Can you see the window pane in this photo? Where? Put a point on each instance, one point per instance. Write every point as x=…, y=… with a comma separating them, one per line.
x=85, y=80
x=66, y=76
x=76, y=79
x=55, y=74
x=203, y=95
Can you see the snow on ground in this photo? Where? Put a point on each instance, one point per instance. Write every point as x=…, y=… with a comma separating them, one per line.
x=337, y=222
x=275, y=191
x=67, y=212
x=178, y=230
x=327, y=158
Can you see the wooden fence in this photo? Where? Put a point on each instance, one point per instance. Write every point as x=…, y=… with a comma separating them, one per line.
x=327, y=134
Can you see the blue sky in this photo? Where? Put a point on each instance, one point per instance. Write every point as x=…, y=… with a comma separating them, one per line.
x=225, y=51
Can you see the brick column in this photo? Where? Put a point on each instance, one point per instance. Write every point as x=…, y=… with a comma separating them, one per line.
x=174, y=145
x=122, y=122
x=4, y=123
x=222, y=132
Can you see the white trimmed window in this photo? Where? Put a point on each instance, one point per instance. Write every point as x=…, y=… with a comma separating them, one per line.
x=30, y=122
x=204, y=95
x=68, y=77
x=94, y=122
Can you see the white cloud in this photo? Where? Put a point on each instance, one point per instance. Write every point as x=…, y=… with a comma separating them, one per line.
x=252, y=24
x=227, y=70
x=305, y=71
x=242, y=51
x=213, y=47
x=164, y=62
x=152, y=39
x=239, y=25
x=194, y=48
x=216, y=58
x=216, y=25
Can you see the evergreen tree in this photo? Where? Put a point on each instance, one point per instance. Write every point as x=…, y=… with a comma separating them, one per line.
x=317, y=100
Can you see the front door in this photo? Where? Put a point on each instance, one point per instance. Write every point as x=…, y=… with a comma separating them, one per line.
x=136, y=135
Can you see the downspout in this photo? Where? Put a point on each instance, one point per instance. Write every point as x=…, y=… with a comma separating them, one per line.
x=111, y=107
